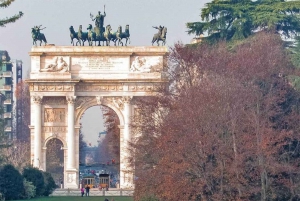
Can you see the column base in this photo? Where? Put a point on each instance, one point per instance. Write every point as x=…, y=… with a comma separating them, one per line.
x=71, y=179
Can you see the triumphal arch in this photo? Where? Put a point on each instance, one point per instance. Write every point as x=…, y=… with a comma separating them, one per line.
x=66, y=80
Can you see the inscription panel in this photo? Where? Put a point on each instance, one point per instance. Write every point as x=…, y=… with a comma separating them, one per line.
x=106, y=63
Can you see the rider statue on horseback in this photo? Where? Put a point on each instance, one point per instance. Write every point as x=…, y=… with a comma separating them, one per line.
x=160, y=28
x=38, y=29
x=37, y=35
x=161, y=35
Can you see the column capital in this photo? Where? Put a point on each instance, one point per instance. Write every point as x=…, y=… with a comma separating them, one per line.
x=37, y=99
x=127, y=99
x=71, y=99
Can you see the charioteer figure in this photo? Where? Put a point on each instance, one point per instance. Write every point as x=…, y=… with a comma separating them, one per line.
x=99, y=20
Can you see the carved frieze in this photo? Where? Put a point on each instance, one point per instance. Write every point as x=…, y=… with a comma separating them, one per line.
x=87, y=87
x=54, y=115
x=51, y=87
x=54, y=100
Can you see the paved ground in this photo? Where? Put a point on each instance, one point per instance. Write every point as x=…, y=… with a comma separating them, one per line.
x=93, y=192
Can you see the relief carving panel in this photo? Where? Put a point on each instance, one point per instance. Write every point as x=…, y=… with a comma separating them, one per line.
x=54, y=115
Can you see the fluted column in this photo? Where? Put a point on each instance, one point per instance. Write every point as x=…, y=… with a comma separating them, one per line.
x=71, y=133
x=127, y=171
x=127, y=115
x=37, y=100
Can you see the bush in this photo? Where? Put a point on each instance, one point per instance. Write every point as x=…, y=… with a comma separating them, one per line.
x=35, y=176
x=11, y=183
x=29, y=189
x=49, y=183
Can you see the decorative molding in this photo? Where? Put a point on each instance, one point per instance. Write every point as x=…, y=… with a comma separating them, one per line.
x=71, y=99
x=53, y=88
x=100, y=87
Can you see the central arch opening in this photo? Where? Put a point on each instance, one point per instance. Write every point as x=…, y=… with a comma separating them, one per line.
x=55, y=160
x=99, y=148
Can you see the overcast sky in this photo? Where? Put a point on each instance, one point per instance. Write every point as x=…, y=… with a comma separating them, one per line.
x=58, y=15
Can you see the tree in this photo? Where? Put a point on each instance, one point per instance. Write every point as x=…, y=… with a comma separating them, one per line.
x=49, y=183
x=82, y=145
x=11, y=183
x=112, y=138
x=5, y=4
x=23, y=107
x=18, y=155
x=238, y=19
x=29, y=189
x=228, y=129
x=35, y=176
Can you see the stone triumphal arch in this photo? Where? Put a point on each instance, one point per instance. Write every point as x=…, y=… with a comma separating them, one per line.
x=65, y=81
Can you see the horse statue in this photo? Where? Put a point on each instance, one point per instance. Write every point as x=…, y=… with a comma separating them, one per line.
x=82, y=36
x=120, y=35
x=73, y=35
x=160, y=36
x=97, y=35
x=113, y=37
x=38, y=36
x=91, y=35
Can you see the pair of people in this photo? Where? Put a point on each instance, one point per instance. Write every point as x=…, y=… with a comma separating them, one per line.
x=87, y=191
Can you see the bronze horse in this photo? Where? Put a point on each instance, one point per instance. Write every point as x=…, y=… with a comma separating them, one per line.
x=120, y=35
x=82, y=36
x=38, y=36
x=160, y=37
x=73, y=35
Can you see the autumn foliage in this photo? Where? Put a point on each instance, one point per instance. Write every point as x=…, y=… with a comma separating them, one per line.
x=227, y=128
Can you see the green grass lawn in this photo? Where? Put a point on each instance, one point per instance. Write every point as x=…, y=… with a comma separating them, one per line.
x=78, y=198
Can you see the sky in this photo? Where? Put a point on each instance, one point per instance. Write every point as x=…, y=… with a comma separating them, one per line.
x=58, y=15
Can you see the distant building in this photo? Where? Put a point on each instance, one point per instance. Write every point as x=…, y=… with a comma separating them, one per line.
x=6, y=90
x=18, y=77
x=10, y=75
x=197, y=39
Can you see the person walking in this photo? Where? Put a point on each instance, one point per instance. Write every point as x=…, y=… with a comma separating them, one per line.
x=82, y=191
x=87, y=190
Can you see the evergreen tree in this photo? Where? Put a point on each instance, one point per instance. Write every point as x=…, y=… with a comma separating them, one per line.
x=49, y=183
x=35, y=176
x=11, y=183
x=4, y=4
x=237, y=19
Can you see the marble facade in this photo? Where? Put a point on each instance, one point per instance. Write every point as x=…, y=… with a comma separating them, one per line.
x=66, y=80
